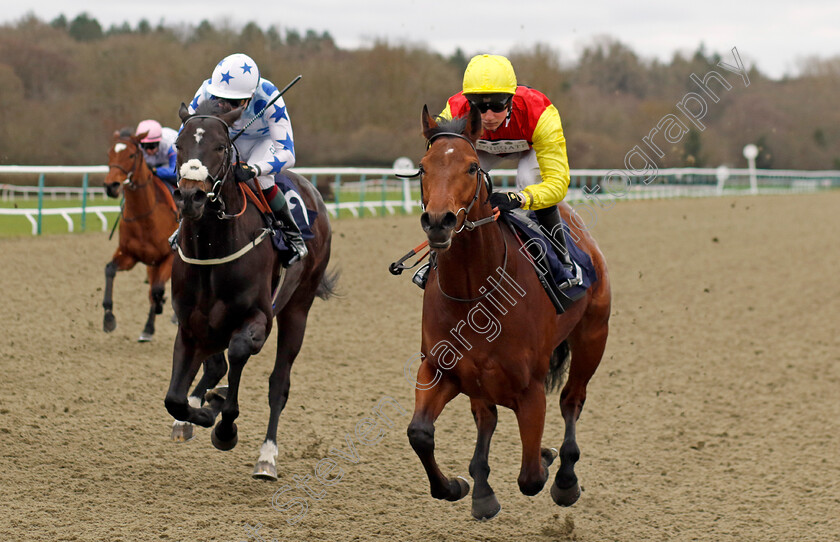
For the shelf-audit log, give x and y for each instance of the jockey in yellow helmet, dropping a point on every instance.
(520, 124)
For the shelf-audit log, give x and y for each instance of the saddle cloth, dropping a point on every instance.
(303, 217)
(529, 229)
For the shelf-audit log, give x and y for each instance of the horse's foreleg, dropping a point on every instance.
(428, 404)
(244, 343)
(185, 363)
(484, 502)
(585, 359)
(291, 326)
(215, 368)
(530, 414)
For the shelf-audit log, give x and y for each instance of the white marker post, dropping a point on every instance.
(750, 153)
(722, 174)
(404, 165)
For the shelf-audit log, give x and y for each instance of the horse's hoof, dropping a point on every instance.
(221, 444)
(463, 489)
(565, 497)
(182, 431)
(264, 470)
(144, 337)
(109, 324)
(219, 393)
(486, 507)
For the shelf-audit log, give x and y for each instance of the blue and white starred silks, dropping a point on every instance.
(268, 143)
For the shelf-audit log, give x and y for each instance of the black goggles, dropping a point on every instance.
(150, 146)
(233, 102)
(495, 107)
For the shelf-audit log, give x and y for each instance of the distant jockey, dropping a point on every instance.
(158, 146)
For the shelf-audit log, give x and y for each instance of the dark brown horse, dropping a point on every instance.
(147, 219)
(226, 285)
(489, 329)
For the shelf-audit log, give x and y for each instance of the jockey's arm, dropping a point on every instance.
(280, 132)
(549, 143)
(167, 173)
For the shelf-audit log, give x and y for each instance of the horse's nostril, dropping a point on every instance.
(424, 221)
(449, 220)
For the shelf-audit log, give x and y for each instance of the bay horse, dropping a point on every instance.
(481, 279)
(148, 217)
(225, 285)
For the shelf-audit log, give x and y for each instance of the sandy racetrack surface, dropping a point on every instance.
(715, 415)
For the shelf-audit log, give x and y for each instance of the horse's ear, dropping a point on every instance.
(116, 134)
(139, 137)
(472, 130)
(183, 112)
(232, 116)
(429, 123)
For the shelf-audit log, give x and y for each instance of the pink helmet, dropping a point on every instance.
(152, 127)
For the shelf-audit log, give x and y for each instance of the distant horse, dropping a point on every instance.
(506, 361)
(225, 281)
(148, 217)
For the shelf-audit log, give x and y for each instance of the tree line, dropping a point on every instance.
(67, 85)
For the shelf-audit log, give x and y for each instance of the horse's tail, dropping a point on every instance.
(557, 366)
(327, 287)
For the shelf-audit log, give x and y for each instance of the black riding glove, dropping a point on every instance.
(242, 172)
(505, 201)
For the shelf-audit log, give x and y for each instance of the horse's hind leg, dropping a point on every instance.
(158, 275)
(120, 262)
(245, 342)
(428, 404)
(484, 502)
(587, 344)
(215, 368)
(291, 326)
(530, 413)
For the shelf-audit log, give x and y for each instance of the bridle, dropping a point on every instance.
(467, 224)
(129, 181)
(216, 181)
(225, 168)
(480, 173)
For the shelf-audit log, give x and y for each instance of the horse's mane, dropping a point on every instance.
(213, 107)
(126, 132)
(456, 125)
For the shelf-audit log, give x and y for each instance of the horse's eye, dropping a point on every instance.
(220, 148)
(473, 168)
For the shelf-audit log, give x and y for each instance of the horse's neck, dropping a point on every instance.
(212, 236)
(472, 259)
(143, 197)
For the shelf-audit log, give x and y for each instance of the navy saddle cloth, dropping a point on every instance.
(303, 217)
(528, 227)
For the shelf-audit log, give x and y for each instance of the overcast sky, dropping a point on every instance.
(772, 34)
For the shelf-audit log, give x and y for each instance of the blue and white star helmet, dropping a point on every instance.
(236, 77)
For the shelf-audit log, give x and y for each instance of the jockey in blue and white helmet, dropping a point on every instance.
(267, 147)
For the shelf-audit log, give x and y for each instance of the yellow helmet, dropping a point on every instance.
(489, 74)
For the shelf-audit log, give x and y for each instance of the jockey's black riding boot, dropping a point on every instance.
(549, 219)
(283, 214)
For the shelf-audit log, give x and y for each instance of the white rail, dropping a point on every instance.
(357, 190)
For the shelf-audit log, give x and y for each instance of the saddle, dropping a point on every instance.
(562, 286)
